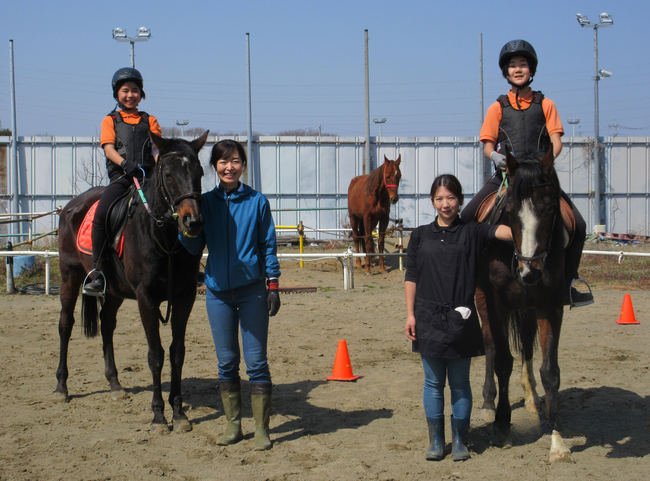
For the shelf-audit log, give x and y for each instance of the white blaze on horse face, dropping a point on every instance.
(185, 161)
(529, 224)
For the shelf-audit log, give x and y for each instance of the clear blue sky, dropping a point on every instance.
(307, 63)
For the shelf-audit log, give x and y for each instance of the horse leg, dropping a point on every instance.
(527, 333)
(503, 362)
(108, 316)
(156, 356)
(70, 283)
(550, 323)
(356, 236)
(383, 225)
(488, 409)
(369, 241)
(180, 314)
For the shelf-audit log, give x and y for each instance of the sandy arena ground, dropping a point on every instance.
(370, 429)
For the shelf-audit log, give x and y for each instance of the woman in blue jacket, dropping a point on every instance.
(240, 235)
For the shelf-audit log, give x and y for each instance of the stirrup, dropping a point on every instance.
(89, 279)
(583, 303)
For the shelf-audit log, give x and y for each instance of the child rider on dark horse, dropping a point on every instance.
(526, 122)
(128, 148)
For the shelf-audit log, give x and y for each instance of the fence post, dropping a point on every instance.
(11, 288)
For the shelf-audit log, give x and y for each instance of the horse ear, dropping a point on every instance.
(511, 162)
(399, 159)
(164, 145)
(197, 144)
(386, 159)
(549, 159)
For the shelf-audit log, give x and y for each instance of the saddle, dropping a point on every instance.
(491, 213)
(118, 213)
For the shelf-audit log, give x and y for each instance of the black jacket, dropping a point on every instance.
(442, 261)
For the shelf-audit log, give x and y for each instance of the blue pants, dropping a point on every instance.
(436, 370)
(227, 311)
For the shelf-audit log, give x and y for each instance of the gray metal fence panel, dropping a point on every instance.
(314, 173)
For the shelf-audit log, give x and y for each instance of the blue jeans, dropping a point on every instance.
(436, 370)
(227, 311)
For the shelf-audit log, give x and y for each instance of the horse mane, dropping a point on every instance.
(528, 176)
(376, 178)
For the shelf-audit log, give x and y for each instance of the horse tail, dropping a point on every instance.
(89, 315)
(522, 333)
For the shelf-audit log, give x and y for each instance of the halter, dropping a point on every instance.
(386, 183)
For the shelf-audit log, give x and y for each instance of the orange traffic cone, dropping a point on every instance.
(342, 368)
(627, 312)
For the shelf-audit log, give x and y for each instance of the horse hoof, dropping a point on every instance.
(182, 426)
(60, 397)
(159, 429)
(559, 451)
(119, 395)
(486, 416)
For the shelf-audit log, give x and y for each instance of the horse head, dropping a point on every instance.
(178, 177)
(533, 205)
(392, 176)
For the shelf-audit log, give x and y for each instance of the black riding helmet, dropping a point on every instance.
(517, 47)
(127, 74)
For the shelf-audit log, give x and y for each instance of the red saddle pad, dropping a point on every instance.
(85, 237)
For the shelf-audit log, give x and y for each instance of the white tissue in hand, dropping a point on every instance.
(464, 312)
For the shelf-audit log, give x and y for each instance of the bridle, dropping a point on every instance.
(172, 202)
(518, 256)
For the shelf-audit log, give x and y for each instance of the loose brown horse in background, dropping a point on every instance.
(369, 200)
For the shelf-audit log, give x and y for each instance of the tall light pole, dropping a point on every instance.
(181, 125)
(379, 121)
(144, 34)
(606, 21)
(574, 122)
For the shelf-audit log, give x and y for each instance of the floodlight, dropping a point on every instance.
(144, 32)
(582, 19)
(605, 73)
(606, 18)
(119, 33)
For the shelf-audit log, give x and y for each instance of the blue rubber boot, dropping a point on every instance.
(436, 439)
(459, 429)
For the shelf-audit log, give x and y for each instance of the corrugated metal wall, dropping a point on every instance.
(313, 173)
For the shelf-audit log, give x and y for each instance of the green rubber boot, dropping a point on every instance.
(231, 398)
(261, 404)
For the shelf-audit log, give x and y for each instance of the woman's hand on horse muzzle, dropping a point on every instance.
(273, 297)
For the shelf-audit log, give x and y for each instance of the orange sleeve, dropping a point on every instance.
(490, 129)
(553, 122)
(107, 135)
(154, 126)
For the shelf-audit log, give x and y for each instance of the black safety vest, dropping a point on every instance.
(524, 131)
(133, 143)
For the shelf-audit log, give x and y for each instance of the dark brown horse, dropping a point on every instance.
(520, 292)
(369, 200)
(156, 268)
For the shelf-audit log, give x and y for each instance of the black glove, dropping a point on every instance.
(273, 297)
(129, 168)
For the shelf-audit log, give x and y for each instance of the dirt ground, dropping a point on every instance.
(373, 428)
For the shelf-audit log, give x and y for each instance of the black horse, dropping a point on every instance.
(156, 268)
(519, 293)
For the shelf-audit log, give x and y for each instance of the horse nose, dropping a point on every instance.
(528, 275)
(193, 223)
(394, 199)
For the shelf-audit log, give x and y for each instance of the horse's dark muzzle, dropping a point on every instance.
(529, 276)
(192, 225)
(393, 200)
